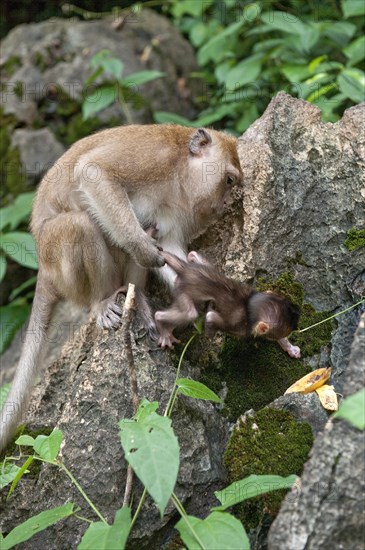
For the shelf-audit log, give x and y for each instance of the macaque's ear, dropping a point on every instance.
(261, 328)
(212, 323)
(199, 141)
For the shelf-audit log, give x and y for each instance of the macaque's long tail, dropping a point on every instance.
(17, 401)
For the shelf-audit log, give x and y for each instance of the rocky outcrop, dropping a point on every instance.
(328, 512)
(303, 192)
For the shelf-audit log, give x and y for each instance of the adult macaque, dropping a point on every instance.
(89, 218)
(231, 306)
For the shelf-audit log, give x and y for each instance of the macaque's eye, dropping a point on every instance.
(230, 180)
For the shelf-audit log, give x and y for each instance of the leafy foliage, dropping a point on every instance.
(352, 409)
(249, 52)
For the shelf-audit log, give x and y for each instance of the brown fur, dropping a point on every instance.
(89, 218)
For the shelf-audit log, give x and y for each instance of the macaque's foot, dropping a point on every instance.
(168, 340)
(108, 312)
(292, 351)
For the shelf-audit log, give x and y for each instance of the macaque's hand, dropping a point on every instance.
(292, 351)
(148, 254)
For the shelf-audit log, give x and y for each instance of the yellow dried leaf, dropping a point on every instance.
(328, 397)
(311, 381)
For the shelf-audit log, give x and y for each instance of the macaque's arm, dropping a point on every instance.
(292, 351)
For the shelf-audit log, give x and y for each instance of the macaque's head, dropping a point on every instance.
(214, 169)
(272, 316)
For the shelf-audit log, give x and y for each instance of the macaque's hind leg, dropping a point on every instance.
(108, 312)
(181, 313)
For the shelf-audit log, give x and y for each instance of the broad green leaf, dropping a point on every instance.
(12, 318)
(26, 440)
(251, 113)
(250, 487)
(137, 79)
(20, 247)
(3, 266)
(4, 390)
(352, 84)
(218, 530)
(163, 117)
(102, 97)
(283, 21)
(34, 525)
(48, 446)
(341, 32)
(189, 7)
(19, 289)
(99, 71)
(113, 66)
(199, 33)
(216, 114)
(16, 212)
(23, 470)
(213, 48)
(321, 91)
(108, 537)
(8, 472)
(244, 72)
(352, 409)
(352, 8)
(355, 51)
(152, 449)
(191, 388)
(145, 409)
(295, 73)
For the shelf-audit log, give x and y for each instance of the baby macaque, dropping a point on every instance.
(230, 306)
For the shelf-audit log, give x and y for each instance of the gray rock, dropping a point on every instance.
(39, 150)
(305, 408)
(328, 511)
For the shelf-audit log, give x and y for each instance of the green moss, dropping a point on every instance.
(285, 284)
(39, 61)
(355, 239)
(15, 179)
(11, 65)
(255, 371)
(77, 128)
(270, 442)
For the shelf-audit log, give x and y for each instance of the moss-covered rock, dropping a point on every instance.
(355, 239)
(270, 442)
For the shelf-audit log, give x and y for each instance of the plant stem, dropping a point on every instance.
(180, 508)
(78, 486)
(329, 318)
(174, 392)
(140, 504)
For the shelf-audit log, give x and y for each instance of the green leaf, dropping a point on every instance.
(191, 388)
(108, 537)
(351, 8)
(355, 51)
(99, 71)
(295, 73)
(4, 390)
(48, 446)
(102, 97)
(8, 473)
(113, 66)
(283, 21)
(251, 487)
(3, 266)
(152, 449)
(20, 247)
(16, 212)
(352, 84)
(12, 318)
(26, 440)
(244, 72)
(163, 117)
(352, 409)
(218, 530)
(35, 525)
(199, 33)
(99, 57)
(207, 118)
(251, 113)
(214, 47)
(23, 470)
(19, 289)
(137, 79)
(145, 409)
(341, 32)
(313, 97)
(189, 7)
